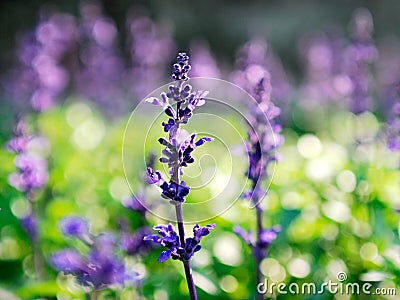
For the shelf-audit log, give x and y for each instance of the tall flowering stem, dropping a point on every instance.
(178, 154)
(263, 139)
(31, 175)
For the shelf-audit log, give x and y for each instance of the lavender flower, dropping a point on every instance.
(169, 239)
(100, 77)
(74, 227)
(259, 247)
(30, 176)
(178, 104)
(255, 56)
(40, 76)
(134, 243)
(263, 140)
(100, 268)
(30, 226)
(203, 61)
(324, 80)
(150, 47)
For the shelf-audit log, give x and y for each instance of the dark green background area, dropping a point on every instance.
(225, 24)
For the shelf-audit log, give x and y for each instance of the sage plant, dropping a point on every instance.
(178, 104)
(100, 268)
(263, 139)
(31, 176)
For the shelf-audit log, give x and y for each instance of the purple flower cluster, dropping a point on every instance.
(169, 239)
(150, 47)
(40, 76)
(253, 58)
(177, 152)
(31, 173)
(261, 245)
(100, 267)
(263, 140)
(394, 128)
(101, 67)
(324, 80)
(357, 60)
(202, 60)
(134, 243)
(263, 137)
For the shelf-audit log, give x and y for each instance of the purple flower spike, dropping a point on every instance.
(177, 153)
(246, 236)
(30, 226)
(175, 192)
(74, 226)
(182, 67)
(98, 269)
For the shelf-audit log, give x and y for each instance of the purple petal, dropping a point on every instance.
(203, 140)
(74, 226)
(164, 255)
(153, 101)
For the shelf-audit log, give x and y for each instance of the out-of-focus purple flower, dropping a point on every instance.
(134, 243)
(19, 142)
(30, 226)
(100, 76)
(264, 135)
(202, 61)
(168, 238)
(31, 175)
(394, 128)
(40, 75)
(254, 57)
(245, 235)
(324, 81)
(98, 269)
(74, 226)
(358, 58)
(150, 48)
(135, 203)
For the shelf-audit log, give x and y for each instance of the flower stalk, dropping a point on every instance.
(177, 154)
